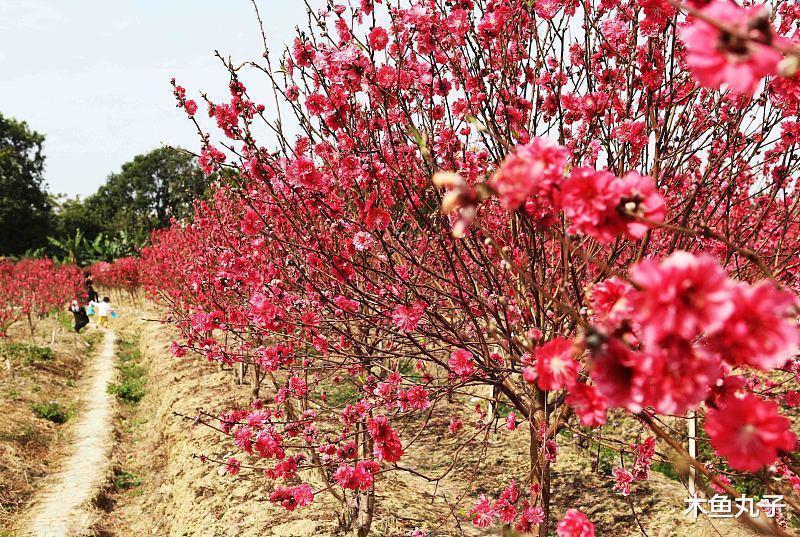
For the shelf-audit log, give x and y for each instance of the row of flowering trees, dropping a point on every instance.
(563, 207)
(122, 274)
(33, 288)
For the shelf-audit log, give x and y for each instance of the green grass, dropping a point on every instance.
(341, 394)
(92, 338)
(124, 480)
(27, 353)
(66, 320)
(52, 411)
(132, 376)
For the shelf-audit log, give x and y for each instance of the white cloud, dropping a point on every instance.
(27, 16)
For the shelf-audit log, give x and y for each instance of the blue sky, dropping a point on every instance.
(93, 75)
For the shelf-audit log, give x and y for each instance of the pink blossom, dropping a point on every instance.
(589, 201)
(210, 157)
(483, 513)
(684, 294)
(638, 198)
(644, 458)
(656, 15)
(555, 365)
(718, 57)
(461, 363)
(363, 241)
(511, 421)
(414, 398)
(232, 466)
(264, 313)
(530, 169)
(760, 332)
(290, 498)
(505, 506)
(748, 432)
(406, 318)
(679, 375)
(251, 223)
(622, 480)
(604, 206)
(177, 350)
(359, 477)
(610, 303)
(242, 438)
(529, 519)
(455, 425)
(588, 404)
(529, 374)
(574, 524)
(268, 445)
(378, 38)
(620, 374)
(387, 442)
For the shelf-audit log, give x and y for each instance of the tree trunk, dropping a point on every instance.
(540, 467)
(364, 500)
(256, 385)
(544, 527)
(364, 508)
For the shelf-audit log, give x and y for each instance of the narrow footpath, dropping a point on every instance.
(57, 511)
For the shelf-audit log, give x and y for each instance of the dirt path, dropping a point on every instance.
(57, 510)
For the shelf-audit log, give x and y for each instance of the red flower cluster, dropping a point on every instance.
(121, 274)
(33, 288)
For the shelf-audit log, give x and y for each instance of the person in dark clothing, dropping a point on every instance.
(91, 294)
(79, 314)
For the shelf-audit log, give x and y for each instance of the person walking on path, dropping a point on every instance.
(79, 315)
(88, 284)
(103, 312)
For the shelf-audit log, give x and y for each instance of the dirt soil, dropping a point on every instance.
(31, 445)
(177, 495)
(58, 509)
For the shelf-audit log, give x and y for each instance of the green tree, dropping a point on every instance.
(25, 208)
(147, 192)
(73, 215)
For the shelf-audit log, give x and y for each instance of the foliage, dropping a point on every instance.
(52, 411)
(78, 249)
(130, 388)
(73, 216)
(25, 210)
(29, 354)
(124, 480)
(146, 193)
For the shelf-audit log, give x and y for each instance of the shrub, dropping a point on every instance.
(126, 480)
(129, 390)
(28, 353)
(132, 376)
(52, 411)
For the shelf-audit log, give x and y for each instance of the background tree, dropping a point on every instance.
(73, 215)
(25, 210)
(146, 193)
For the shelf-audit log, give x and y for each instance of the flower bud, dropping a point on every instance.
(450, 201)
(447, 179)
(789, 66)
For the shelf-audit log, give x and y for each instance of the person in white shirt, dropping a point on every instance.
(103, 312)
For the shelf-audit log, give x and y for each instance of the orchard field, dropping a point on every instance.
(439, 267)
